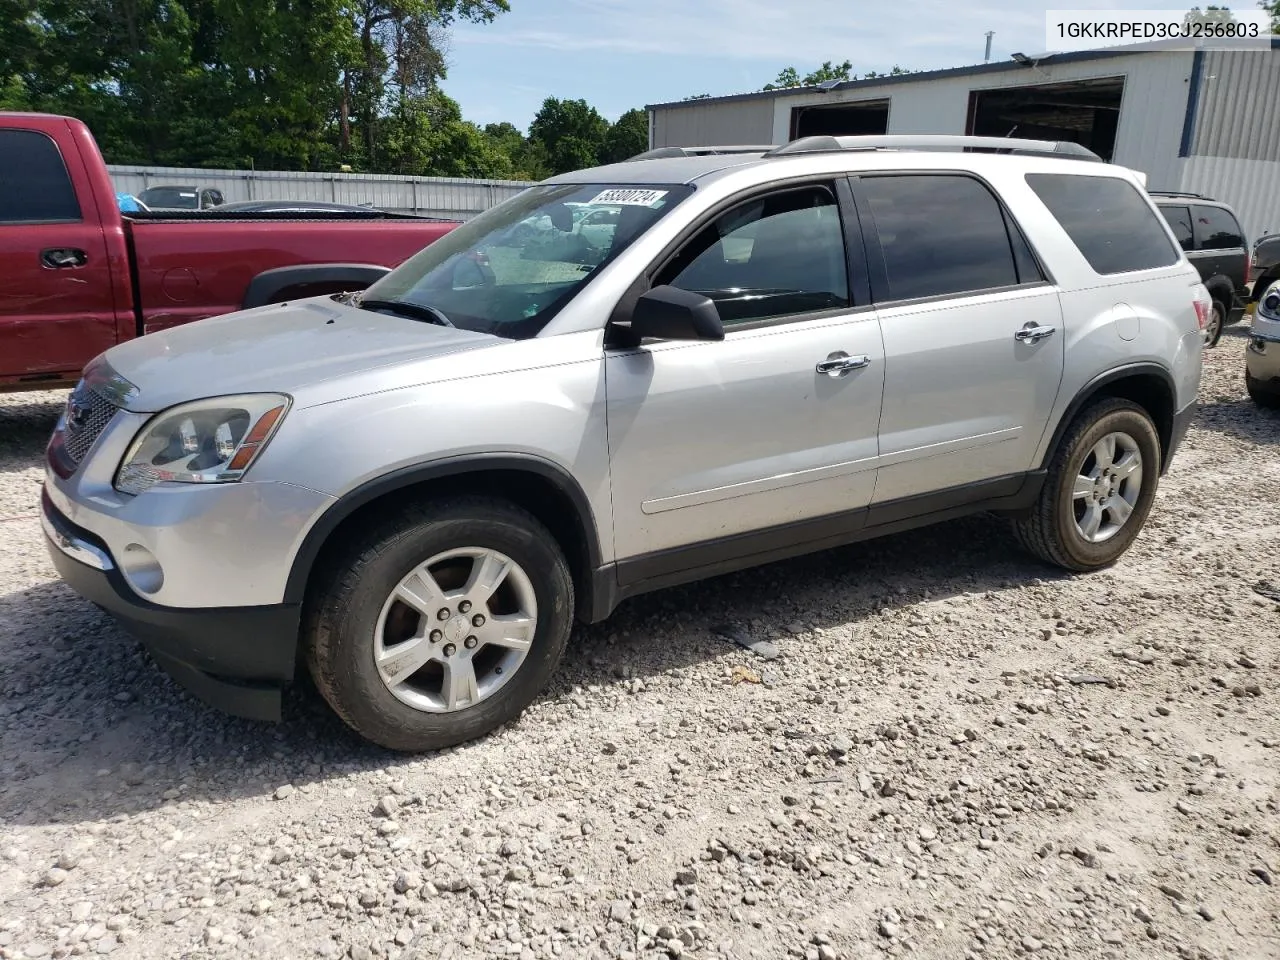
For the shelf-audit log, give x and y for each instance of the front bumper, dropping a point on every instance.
(234, 658)
(1262, 356)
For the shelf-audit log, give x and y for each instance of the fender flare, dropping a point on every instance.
(266, 287)
(313, 542)
(1095, 386)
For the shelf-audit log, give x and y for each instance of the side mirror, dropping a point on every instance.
(669, 313)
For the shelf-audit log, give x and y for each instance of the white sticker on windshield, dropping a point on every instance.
(629, 198)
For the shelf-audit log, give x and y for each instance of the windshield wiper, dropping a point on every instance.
(404, 308)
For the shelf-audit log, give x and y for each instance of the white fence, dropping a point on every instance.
(428, 196)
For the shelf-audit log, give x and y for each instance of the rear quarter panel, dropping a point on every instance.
(1116, 321)
(189, 270)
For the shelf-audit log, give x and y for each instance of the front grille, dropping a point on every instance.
(88, 413)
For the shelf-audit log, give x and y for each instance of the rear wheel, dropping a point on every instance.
(1213, 327)
(1099, 489)
(439, 624)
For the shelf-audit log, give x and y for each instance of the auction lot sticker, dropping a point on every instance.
(629, 198)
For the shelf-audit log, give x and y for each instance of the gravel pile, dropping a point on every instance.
(957, 753)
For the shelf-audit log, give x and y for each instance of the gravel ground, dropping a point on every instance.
(958, 753)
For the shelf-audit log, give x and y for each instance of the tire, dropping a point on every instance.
(1052, 530)
(351, 614)
(1217, 322)
(1267, 399)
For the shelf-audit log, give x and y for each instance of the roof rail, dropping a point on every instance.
(659, 152)
(1177, 193)
(1058, 148)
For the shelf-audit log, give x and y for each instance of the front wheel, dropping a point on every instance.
(1099, 488)
(440, 623)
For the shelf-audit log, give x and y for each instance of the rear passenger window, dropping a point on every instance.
(942, 235)
(775, 256)
(1180, 220)
(1218, 229)
(34, 185)
(1109, 221)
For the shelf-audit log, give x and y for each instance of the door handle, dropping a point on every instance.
(840, 363)
(59, 258)
(1033, 333)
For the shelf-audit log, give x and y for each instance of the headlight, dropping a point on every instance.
(208, 441)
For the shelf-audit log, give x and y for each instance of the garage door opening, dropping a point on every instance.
(1084, 111)
(840, 119)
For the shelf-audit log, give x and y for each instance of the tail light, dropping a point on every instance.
(1203, 304)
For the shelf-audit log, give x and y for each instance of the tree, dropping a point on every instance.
(895, 72)
(1272, 8)
(827, 72)
(789, 77)
(627, 137)
(572, 133)
(698, 96)
(1210, 14)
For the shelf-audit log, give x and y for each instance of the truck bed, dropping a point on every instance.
(193, 266)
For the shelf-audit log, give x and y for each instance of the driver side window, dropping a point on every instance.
(773, 256)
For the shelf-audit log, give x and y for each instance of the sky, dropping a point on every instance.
(619, 54)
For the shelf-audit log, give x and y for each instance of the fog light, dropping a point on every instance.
(141, 568)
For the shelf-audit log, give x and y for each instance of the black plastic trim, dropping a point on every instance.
(667, 568)
(314, 541)
(1181, 422)
(1091, 389)
(267, 286)
(234, 658)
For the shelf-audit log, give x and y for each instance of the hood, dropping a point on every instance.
(282, 349)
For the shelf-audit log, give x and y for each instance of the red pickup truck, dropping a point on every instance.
(77, 276)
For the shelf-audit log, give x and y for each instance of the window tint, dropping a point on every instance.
(34, 185)
(774, 256)
(1108, 220)
(1218, 229)
(1180, 220)
(940, 235)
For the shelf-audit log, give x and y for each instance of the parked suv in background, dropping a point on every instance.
(1209, 232)
(1262, 356)
(1265, 264)
(419, 486)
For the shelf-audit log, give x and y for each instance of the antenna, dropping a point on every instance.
(986, 57)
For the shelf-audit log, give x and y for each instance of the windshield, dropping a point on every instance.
(509, 270)
(183, 198)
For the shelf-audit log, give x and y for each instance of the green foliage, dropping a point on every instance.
(627, 137)
(1272, 8)
(790, 77)
(1210, 14)
(572, 133)
(284, 84)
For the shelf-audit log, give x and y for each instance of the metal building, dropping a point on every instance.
(1193, 120)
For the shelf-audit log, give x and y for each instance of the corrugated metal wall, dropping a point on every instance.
(1155, 98)
(706, 123)
(1239, 114)
(1148, 138)
(1252, 187)
(428, 196)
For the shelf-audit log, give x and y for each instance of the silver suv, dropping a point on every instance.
(416, 489)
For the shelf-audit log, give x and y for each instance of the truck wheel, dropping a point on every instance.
(1099, 489)
(439, 623)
